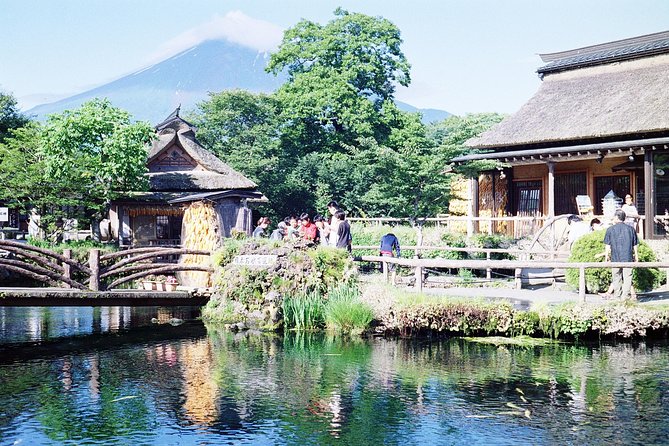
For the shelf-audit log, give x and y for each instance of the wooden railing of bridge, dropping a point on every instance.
(102, 272)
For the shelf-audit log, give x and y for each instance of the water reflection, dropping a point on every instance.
(169, 383)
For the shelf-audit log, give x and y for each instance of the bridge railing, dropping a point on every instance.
(101, 272)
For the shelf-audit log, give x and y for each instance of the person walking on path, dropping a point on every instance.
(621, 244)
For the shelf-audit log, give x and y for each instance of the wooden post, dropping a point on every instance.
(648, 194)
(67, 269)
(518, 279)
(551, 189)
(94, 265)
(581, 283)
(488, 271)
(419, 278)
(472, 224)
(385, 271)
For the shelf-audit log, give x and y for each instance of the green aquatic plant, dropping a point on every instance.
(345, 312)
(303, 311)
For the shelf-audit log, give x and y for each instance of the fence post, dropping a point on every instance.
(385, 271)
(67, 269)
(419, 278)
(518, 279)
(94, 265)
(488, 270)
(581, 283)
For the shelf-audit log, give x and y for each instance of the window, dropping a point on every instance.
(567, 187)
(527, 197)
(619, 184)
(162, 227)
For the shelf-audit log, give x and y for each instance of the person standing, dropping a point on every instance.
(309, 230)
(323, 229)
(621, 245)
(390, 246)
(343, 231)
(631, 212)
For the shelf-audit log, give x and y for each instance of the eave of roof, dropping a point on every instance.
(616, 51)
(568, 153)
(219, 195)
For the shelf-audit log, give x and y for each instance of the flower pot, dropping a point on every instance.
(170, 286)
(148, 285)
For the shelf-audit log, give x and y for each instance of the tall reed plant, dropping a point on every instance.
(345, 312)
(303, 311)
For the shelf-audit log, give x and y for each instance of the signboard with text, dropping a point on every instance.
(255, 261)
(4, 214)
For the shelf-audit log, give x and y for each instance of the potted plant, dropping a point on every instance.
(149, 283)
(171, 283)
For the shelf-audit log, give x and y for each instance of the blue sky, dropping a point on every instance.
(466, 56)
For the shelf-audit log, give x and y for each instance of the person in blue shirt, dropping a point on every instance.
(390, 246)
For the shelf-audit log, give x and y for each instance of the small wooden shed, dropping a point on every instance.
(182, 172)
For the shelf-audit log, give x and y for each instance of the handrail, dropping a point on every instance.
(419, 264)
(460, 249)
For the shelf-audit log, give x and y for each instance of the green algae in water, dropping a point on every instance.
(522, 341)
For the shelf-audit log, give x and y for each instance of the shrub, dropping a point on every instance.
(586, 249)
(345, 312)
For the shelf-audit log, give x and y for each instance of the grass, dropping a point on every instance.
(345, 312)
(303, 311)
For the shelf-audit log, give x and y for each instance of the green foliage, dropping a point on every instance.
(345, 312)
(227, 252)
(331, 265)
(10, 116)
(589, 249)
(75, 164)
(304, 311)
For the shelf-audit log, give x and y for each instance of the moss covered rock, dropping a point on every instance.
(253, 295)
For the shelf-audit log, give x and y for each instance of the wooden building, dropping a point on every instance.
(182, 172)
(599, 122)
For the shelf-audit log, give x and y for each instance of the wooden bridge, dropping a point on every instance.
(97, 282)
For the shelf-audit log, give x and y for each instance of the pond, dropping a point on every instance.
(114, 376)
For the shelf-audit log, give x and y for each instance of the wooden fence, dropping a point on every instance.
(419, 266)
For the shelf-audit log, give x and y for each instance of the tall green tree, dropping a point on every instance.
(75, 164)
(341, 76)
(10, 116)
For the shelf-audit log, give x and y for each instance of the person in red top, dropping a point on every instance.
(309, 229)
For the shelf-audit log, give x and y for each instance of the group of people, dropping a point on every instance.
(334, 231)
(621, 244)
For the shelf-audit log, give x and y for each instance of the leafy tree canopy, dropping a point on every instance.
(340, 75)
(10, 116)
(76, 163)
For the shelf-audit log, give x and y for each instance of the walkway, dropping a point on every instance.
(56, 297)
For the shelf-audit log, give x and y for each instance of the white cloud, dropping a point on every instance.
(234, 26)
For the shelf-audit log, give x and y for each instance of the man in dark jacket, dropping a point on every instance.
(621, 245)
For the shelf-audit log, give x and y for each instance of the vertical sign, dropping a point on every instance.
(4, 214)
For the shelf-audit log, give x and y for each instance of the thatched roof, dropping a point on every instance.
(590, 99)
(210, 174)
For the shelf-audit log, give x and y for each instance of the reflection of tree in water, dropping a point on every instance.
(316, 389)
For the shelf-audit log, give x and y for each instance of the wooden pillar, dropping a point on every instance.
(67, 269)
(419, 278)
(581, 283)
(94, 265)
(385, 271)
(551, 189)
(649, 194)
(472, 225)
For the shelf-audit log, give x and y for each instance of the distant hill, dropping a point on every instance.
(185, 79)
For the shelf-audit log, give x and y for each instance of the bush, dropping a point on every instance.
(587, 248)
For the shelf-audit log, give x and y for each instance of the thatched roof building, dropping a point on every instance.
(601, 112)
(182, 171)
